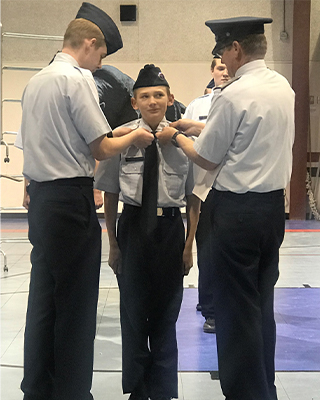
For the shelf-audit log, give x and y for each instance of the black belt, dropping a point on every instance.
(79, 181)
(262, 195)
(161, 211)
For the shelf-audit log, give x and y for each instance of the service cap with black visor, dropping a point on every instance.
(230, 29)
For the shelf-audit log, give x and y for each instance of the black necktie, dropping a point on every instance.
(150, 189)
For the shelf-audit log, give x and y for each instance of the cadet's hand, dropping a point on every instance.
(98, 200)
(121, 131)
(165, 135)
(188, 126)
(143, 138)
(26, 201)
(187, 260)
(115, 259)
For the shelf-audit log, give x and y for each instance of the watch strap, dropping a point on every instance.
(174, 138)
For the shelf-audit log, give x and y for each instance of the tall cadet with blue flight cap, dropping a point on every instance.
(249, 134)
(63, 130)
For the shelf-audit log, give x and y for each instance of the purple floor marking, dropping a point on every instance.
(297, 313)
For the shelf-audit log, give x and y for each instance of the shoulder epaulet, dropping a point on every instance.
(227, 83)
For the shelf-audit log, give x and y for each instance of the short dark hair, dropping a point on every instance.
(214, 61)
(213, 64)
(255, 45)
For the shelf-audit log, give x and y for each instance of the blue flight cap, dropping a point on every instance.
(211, 84)
(109, 29)
(230, 29)
(150, 75)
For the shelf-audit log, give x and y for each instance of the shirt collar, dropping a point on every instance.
(66, 58)
(250, 66)
(163, 123)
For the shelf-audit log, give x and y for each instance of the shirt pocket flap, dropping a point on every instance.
(133, 166)
(176, 168)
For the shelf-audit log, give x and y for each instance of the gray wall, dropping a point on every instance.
(165, 30)
(169, 33)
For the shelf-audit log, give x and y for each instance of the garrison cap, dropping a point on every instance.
(230, 29)
(211, 84)
(109, 29)
(150, 75)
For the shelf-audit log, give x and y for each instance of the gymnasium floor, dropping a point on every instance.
(297, 311)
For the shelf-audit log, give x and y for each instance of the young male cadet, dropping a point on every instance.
(63, 130)
(249, 133)
(198, 110)
(149, 253)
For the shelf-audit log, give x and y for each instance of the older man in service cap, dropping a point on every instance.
(63, 130)
(247, 143)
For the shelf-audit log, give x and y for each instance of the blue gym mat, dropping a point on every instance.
(297, 313)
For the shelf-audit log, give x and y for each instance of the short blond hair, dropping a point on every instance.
(80, 29)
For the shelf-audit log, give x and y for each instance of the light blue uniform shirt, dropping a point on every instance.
(199, 108)
(60, 118)
(250, 131)
(124, 173)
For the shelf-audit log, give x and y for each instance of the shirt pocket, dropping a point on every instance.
(175, 176)
(131, 176)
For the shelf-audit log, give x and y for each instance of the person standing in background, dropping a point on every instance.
(198, 110)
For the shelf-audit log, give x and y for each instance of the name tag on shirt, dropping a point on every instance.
(134, 159)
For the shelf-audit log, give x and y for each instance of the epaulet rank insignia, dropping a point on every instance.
(227, 83)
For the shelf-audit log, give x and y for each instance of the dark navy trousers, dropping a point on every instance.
(247, 232)
(151, 288)
(204, 256)
(61, 317)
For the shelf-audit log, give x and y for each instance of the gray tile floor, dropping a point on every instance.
(299, 265)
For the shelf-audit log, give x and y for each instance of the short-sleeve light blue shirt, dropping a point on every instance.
(250, 131)
(60, 118)
(199, 108)
(124, 173)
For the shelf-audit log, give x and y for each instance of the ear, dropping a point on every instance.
(238, 50)
(134, 103)
(170, 99)
(88, 44)
(93, 42)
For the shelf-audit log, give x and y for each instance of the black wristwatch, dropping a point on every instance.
(174, 138)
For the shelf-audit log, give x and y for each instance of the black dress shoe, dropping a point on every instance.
(139, 393)
(134, 396)
(161, 398)
(209, 326)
